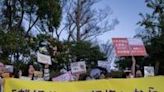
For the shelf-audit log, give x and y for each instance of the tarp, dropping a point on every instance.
(149, 84)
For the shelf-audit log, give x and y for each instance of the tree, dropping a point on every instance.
(86, 51)
(153, 35)
(154, 24)
(84, 22)
(19, 22)
(20, 13)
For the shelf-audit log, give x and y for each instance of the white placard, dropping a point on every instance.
(45, 59)
(148, 71)
(64, 77)
(78, 67)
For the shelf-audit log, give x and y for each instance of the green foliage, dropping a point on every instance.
(86, 51)
(16, 42)
(124, 63)
(154, 37)
(19, 45)
(155, 24)
(49, 11)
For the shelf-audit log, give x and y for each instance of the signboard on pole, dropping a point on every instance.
(129, 47)
(148, 71)
(45, 59)
(78, 67)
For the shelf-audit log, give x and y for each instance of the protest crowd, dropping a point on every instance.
(44, 74)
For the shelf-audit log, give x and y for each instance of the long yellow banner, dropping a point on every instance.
(151, 84)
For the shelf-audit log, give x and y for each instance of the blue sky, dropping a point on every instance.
(127, 12)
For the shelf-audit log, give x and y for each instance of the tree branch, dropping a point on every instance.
(29, 29)
(22, 14)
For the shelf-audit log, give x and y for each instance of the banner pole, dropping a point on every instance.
(133, 65)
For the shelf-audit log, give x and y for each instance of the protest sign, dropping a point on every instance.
(129, 47)
(45, 59)
(148, 71)
(78, 67)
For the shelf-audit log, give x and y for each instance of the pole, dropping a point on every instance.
(133, 65)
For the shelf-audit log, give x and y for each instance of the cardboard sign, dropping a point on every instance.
(78, 67)
(64, 77)
(129, 47)
(45, 59)
(148, 71)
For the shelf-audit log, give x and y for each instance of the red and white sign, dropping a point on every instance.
(137, 47)
(129, 47)
(121, 46)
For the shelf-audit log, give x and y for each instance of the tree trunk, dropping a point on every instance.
(78, 21)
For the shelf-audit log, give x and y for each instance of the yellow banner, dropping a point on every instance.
(151, 84)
